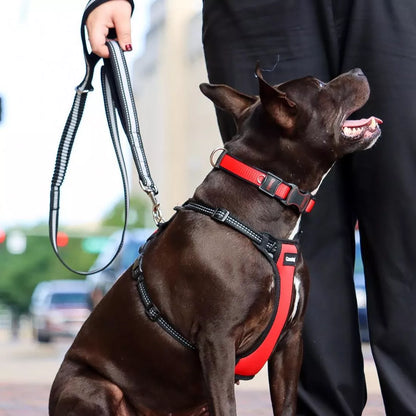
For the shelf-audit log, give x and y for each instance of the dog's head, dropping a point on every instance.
(301, 124)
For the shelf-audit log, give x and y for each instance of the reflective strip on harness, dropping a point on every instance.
(250, 365)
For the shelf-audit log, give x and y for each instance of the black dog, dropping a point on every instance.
(224, 277)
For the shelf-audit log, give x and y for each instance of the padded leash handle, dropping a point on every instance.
(118, 96)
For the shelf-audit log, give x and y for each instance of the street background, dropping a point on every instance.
(28, 368)
(42, 66)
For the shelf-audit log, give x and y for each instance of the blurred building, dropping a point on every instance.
(177, 121)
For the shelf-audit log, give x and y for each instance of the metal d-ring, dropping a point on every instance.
(213, 153)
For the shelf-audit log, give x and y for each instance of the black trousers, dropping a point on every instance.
(324, 38)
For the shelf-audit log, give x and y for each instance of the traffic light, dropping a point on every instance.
(62, 239)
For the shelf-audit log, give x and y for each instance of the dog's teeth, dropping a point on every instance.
(352, 132)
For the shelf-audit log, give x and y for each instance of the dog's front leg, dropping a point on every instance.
(284, 368)
(217, 356)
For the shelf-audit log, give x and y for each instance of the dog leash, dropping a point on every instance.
(118, 98)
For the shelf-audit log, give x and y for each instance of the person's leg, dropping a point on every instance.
(332, 381)
(285, 37)
(302, 37)
(382, 41)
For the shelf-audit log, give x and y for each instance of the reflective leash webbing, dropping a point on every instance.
(127, 112)
(118, 97)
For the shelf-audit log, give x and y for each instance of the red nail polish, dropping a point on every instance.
(129, 47)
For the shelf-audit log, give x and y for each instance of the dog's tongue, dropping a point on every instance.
(372, 121)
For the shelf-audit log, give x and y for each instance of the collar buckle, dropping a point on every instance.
(299, 199)
(269, 184)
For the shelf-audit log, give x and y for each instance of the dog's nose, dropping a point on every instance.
(358, 72)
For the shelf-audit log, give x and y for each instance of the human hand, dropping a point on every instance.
(111, 14)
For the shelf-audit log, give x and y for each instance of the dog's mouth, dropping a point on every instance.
(363, 129)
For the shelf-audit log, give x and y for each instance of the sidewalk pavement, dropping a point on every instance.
(27, 370)
(32, 399)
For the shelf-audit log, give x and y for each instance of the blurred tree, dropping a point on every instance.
(20, 273)
(140, 214)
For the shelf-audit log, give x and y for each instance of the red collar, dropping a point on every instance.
(287, 193)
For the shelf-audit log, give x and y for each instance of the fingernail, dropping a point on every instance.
(129, 47)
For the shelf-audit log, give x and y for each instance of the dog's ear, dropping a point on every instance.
(227, 98)
(276, 102)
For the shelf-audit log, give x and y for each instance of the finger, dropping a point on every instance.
(113, 14)
(98, 38)
(123, 31)
(123, 27)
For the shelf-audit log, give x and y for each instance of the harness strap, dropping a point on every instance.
(287, 193)
(282, 256)
(253, 360)
(270, 244)
(151, 309)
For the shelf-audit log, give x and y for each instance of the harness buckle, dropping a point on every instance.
(220, 215)
(152, 312)
(136, 273)
(298, 199)
(270, 245)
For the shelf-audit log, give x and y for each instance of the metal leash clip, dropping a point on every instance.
(156, 212)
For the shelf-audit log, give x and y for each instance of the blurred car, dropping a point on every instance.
(100, 283)
(59, 308)
(360, 291)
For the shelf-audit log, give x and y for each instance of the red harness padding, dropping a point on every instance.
(249, 365)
